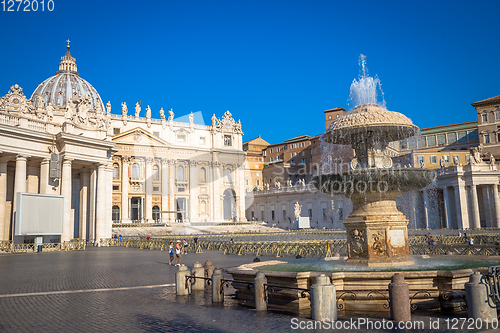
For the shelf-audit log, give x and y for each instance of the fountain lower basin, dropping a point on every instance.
(365, 290)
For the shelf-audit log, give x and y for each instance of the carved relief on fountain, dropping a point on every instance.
(356, 243)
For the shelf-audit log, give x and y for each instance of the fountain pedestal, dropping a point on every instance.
(377, 234)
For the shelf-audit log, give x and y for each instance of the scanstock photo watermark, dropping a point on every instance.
(452, 324)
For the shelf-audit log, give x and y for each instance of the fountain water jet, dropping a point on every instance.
(377, 232)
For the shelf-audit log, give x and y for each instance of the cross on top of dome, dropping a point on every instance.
(68, 63)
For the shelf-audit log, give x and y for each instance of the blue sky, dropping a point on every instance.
(276, 65)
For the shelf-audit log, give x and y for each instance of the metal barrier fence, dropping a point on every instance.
(73, 245)
(305, 248)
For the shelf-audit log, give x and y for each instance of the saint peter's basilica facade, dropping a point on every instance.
(110, 168)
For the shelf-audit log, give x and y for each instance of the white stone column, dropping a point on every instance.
(44, 176)
(447, 211)
(496, 203)
(32, 176)
(164, 190)
(487, 205)
(171, 189)
(149, 190)
(461, 207)
(92, 202)
(109, 200)
(100, 225)
(125, 183)
(193, 202)
(476, 221)
(19, 185)
(4, 225)
(211, 182)
(240, 178)
(84, 203)
(426, 208)
(66, 192)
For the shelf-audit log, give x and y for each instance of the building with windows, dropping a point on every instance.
(114, 168)
(255, 162)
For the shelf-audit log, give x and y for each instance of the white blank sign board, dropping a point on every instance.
(304, 223)
(39, 214)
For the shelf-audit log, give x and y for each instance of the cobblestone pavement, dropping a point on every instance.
(127, 290)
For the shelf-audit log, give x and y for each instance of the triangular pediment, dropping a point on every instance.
(139, 136)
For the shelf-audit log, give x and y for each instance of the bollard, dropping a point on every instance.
(209, 270)
(260, 291)
(479, 303)
(399, 298)
(323, 299)
(217, 288)
(180, 281)
(198, 271)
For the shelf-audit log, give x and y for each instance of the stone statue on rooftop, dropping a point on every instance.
(170, 115)
(137, 109)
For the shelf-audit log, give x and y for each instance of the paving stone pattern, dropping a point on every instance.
(155, 309)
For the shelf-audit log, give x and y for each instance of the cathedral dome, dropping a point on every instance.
(67, 85)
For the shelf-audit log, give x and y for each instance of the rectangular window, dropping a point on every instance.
(456, 159)
(446, 158)
(486, 138)
(246, 182)
(181, 189)
(310, 159)
(422, 142)
(310, 211)
(473, 136)
(156, 134)
(156, 189)
(203, 142)
(441, 139)
(341, 214)
(324, 214)
(181, 137)
(452, 137)
(314, 150)
(420, 159)
(271, 150)
(302, 144)
(485, 118)
(434, 159)
(258, 182)
(272, 215)
(292, 162)
(303, 161)
(262, 215)
(284, 215)
(462, 136)
(467, 158)
(116, 131)
(303, 153)
(431, 140)
(497, 115)
(116, 187)
(278, 149)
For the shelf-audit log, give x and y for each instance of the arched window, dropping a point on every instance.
(180, 172)
(156, 213)
(115, 170)
(135, 170)
(203, 175)
(155, 172)
(228, 175)
(115, 214)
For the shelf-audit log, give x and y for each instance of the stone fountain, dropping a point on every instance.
(377, 232)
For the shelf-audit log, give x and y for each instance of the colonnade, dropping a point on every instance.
(30, 174)
(465, 206)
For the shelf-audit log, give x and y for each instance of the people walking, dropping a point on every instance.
(185, 246)
(171, 253)
(178, 250)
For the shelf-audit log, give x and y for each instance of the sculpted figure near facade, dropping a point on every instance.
(124, 109)
(137, 109)
(170, 115)
(296, 210)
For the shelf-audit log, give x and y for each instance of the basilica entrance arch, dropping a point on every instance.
(229, 204)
